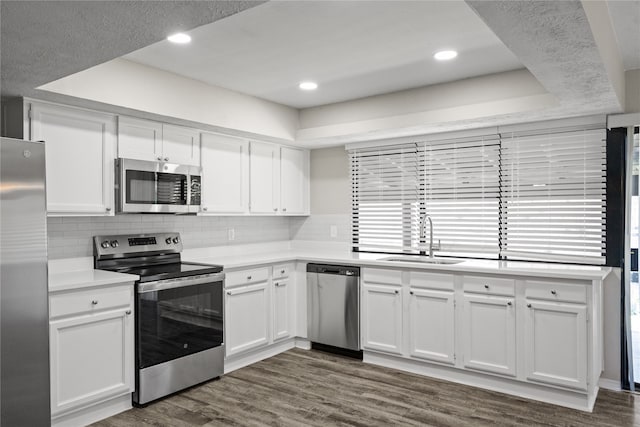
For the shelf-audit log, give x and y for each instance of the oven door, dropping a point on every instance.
(178, 317)
(156, 187)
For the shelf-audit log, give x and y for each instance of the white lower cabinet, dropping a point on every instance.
(283, 309)
(91, 347)
(556, 343)
(381, 319)
(432, 325)
(489, 333)
(246, 318)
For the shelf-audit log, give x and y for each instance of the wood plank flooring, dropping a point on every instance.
(312, 388)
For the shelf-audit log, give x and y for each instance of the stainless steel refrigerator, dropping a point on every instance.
(24, 314)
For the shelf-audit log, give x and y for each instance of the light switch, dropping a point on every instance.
(232, 233)
(333, 231)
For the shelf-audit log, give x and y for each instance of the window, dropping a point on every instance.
(553, 196)
(535, 196)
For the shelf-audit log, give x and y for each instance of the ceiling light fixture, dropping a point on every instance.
(445, 55)
(308, 86)
(179, 38)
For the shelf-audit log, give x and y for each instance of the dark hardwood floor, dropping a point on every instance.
(301, 387)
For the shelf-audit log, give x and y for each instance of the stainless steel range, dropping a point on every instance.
(179, 312)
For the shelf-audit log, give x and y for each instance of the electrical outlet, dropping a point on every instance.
(333, 231)
(231, 233)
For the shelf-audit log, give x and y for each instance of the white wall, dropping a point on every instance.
(632, 78)
(134, 86)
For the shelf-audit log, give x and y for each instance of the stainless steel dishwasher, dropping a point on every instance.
(333, 306)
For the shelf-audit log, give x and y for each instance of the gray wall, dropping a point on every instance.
(71, 237)
(330, 181)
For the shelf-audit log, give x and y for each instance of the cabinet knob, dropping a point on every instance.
(529, 305)
(410, 292)
(275, 209)
(248, 277)
(94, 302)
(166, 159)
(128, 312)
(509, 303)
(284, 209)
(277, 284)
(159, 158)
(108, 209)
(553, 292)
(486, 286)
(204, 208)
(228, 292)
(396, 291)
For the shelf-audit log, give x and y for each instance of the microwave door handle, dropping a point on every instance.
(188, 183)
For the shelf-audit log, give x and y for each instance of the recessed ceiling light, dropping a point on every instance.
(445, 55)
(179, 38)
(308, 85)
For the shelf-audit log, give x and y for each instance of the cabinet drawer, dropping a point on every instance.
(375, 275)
(489, 285)
(282, 270)
(245, 277)
(552, 291)
(432, 280)
(77, 302)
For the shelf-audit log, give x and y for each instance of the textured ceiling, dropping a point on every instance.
(42, 41)
(353, 49)
(625, 16)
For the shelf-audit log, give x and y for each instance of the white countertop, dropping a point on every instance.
(64, 281)
(279, 254)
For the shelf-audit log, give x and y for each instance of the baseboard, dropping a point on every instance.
(609, 384)
(240, 361)
(94, 413)
(303, 343)
(570, 399)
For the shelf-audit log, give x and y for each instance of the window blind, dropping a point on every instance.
(385, 198)
(461, 194)
(553, 197)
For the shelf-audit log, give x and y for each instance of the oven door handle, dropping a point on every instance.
(180, 282)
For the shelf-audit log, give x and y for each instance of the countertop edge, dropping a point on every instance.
(85, 279)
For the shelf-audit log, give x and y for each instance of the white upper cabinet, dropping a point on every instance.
(148, 140)
(225, 174)
(294, 180)
(80, 150)
(139, 139)
(180, 145)
(265, 172)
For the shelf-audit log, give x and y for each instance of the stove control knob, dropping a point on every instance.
(176, 240)
(114, 244)
(167, 240)
(105, 244)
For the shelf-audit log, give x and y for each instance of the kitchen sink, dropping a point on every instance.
(422, 259)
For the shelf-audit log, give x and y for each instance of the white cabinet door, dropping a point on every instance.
(264, 162)
(79, 147)
(489, 333)
(294, 180)
(556, 343)
(180, 145)
(91, 359)
(246, 318)
(382, 318)
(139, 139)
(432, 325)
(283, 309)
(225, 174)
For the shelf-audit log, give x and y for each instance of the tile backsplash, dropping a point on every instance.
(71, 237)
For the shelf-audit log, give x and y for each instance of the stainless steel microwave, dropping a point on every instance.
(156, 187)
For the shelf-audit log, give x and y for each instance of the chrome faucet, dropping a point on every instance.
(422, 224)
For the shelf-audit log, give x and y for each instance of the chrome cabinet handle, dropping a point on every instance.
(281, 271)
(284, 209)
(275, 209)
(509, 303)
(396, 291)
(529, 305)
(553, 293)
(486, 286)
(229, 293)
(128, 312)
(159, 158)
(248, 277)
(166, 159)
(204, 208)
(94, 302)
(108, 209)
(410, 292)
